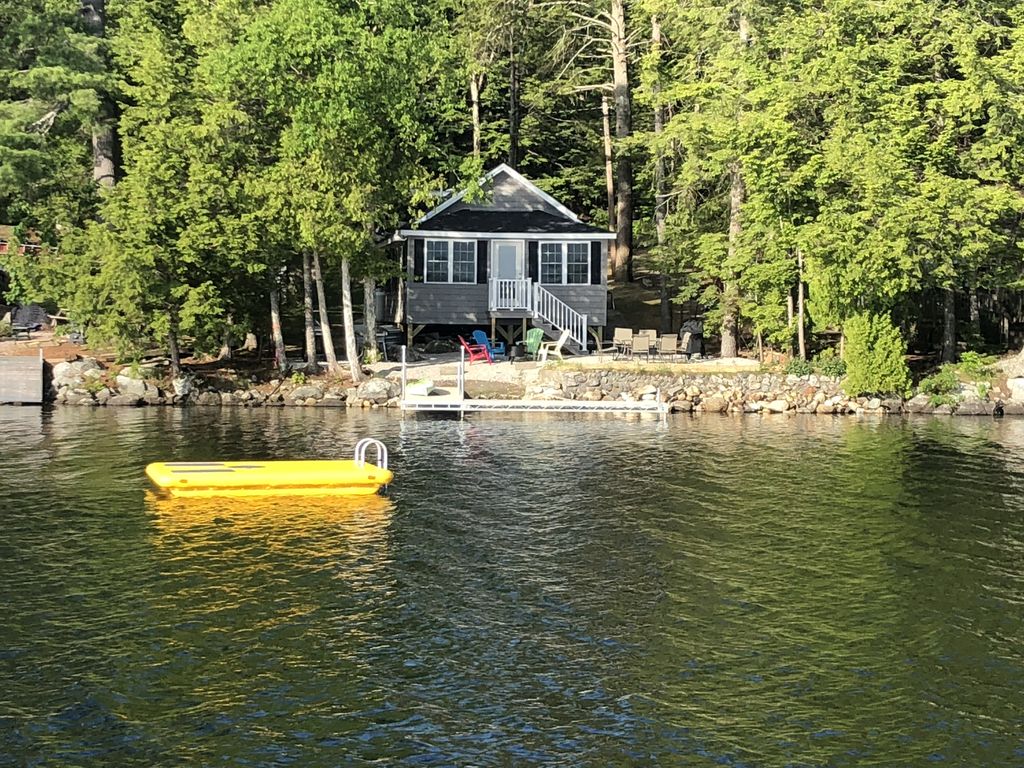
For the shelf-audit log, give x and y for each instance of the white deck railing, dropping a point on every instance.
(513, 295)
(558, 314)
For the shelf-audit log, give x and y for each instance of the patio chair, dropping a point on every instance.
(622, 339)
(668, 346)
(640, 345)
(493, 347)
(475, 351)
(534, 336)
(554, 347)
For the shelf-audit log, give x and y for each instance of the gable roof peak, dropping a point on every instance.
(515, 176)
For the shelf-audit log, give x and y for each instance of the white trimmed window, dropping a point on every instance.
(450, 261)
(565, 263)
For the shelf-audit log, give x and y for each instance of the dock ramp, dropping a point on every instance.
(21, 379)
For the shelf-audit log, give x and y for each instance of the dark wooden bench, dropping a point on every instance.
(20, 331)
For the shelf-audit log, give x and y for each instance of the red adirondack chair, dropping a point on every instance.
(476, 351)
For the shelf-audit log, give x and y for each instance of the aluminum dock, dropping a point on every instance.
(456, 402)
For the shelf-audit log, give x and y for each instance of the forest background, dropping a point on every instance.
(179, 168)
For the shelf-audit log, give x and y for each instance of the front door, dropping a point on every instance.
(508, 260)
(510, 290)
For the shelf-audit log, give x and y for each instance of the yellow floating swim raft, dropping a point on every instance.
(346, 477)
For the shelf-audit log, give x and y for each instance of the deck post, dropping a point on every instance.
(404, 373)
(494, 327)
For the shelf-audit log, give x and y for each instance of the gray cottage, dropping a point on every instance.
(513, 258)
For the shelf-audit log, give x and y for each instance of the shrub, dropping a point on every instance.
(5, 329)
(976, 366)
(829, 363)
(298, 378)
(875, 357)
(943, 382)
(799, 367)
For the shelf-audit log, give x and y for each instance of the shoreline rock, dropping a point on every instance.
(773, 395)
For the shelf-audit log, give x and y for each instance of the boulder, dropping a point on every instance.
(714, 404)
(310, 391)
(974, 408)
(183, 385)
(777, 406)
(1016, 387)
(681, 406)
(377, 390)
(127, 385)
(125, 400)
(918, 404)
(207, 398)
(892, 405)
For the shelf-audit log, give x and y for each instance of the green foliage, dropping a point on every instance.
(5, 329)
(829, 363)
(298, 378)
(799, 367)
(875, 357)
(94, 384)
(976, 367)
(942, 382)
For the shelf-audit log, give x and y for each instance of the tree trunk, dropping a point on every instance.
(730, 289)
(94, 14)
(609, 173)
(475, 86)
(225, 345)
(173, 350)
(370, 316)
(949, 325)
(103, 152)
(623, 127)
(326, 337)
(975, 310)
(660, 198)
(513, 109)
(351, 351)
(280, 360)
(307, 309)
(801, 346)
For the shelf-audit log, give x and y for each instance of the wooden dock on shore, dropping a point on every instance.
(21, 379)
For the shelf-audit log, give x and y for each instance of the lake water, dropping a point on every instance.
(535, 590)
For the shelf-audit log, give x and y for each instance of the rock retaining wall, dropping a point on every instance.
(86, 382)
(748, 393)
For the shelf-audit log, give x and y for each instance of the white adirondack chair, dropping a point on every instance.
(553, 347)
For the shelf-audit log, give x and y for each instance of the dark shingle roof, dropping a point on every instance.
(469, 220)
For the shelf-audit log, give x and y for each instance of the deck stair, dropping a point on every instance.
(545, 310)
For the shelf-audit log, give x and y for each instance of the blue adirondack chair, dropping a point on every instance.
(495, 348)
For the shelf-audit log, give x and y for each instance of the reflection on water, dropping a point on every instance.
(535, 591)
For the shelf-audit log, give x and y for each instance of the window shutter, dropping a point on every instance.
(419, 267)
(595, 262)
(481, 261)
(532, 267)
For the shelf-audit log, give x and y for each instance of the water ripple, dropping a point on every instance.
(535, 591)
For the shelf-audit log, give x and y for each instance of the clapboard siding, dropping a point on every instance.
(505, 194)
(591, 300)
(21, 379)
(447, 303)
